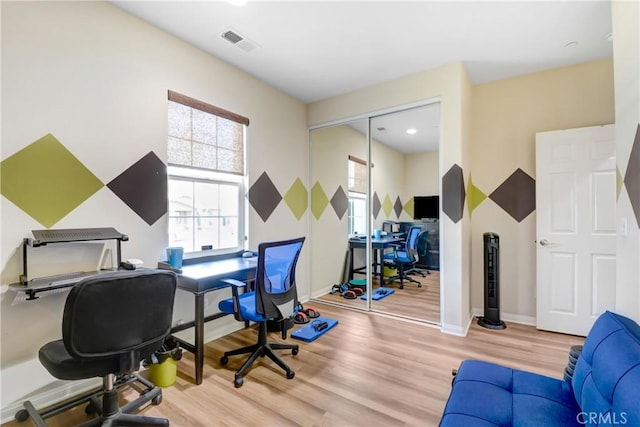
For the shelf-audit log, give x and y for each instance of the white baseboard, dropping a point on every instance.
(321, 292)
(460, 331)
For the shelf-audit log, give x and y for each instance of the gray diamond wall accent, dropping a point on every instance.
(264, 196)
(453, 193)
(340, 202)
(632, 176)
(516, 195)
(397, 207)
(377, 205)
(143, 187)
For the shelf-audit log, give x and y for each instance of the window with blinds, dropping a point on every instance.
(357, 175)
(357, 195)
(205, 152)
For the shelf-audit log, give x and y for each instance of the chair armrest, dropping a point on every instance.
(396, 247)
(235, 285)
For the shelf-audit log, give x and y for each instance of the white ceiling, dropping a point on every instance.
(313, 50)
(391, 129)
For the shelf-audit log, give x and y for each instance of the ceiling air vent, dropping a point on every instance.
(236, 39)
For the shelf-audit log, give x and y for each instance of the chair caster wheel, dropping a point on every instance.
(294, 351)
(419, 285)
(157, 400)
(22, 415)
(224, 360)
(290, 374)
(238, 381)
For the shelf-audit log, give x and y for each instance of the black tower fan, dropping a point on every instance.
(491, 317)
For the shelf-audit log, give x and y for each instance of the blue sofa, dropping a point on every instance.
(604, 388)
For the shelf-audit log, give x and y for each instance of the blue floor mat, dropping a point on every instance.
(379, 294)
(308, 333)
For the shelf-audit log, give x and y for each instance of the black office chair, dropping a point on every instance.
(421, 266)
(110, 323)
(404, 258)
(274, 298)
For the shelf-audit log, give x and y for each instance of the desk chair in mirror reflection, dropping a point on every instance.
(110, 323)
(405, 257)
(273, 298)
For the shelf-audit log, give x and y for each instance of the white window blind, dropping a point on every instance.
(357, 175)
(203, 136)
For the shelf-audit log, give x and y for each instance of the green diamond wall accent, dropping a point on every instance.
(408, 207)
(297, 198)
(619, 182)
(319, 200)
(475, 196)
(46, 181)
(387, 206)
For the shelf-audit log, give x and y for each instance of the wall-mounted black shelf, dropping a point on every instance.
(46, 237)
(42, 237)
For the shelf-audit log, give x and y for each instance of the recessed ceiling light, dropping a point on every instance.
(411, 131)
(571, 45)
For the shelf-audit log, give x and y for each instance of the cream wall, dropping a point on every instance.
(97, 79)
(328, 234)
(451, 86)
(506, 116)
(421, 174)
(626, 51)
(387, 180)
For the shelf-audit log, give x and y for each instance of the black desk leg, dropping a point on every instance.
(199, 337)
(380, 261)
(350, 264)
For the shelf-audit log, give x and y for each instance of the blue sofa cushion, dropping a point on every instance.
(604, 389)
(486, 394)
(606, 379)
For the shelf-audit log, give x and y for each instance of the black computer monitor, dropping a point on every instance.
(426, 207)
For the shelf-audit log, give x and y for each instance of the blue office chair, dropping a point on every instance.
(404, 258)
(274, 298)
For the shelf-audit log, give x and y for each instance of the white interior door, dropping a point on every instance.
(576, 227)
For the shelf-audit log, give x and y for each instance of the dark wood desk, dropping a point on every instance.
(378, 246)
(199, 279)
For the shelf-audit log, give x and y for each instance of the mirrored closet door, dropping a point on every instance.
(405, 208)
(339, 182)
(374, 182)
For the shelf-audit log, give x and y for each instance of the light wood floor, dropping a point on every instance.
(412, 302)
(369, 370)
